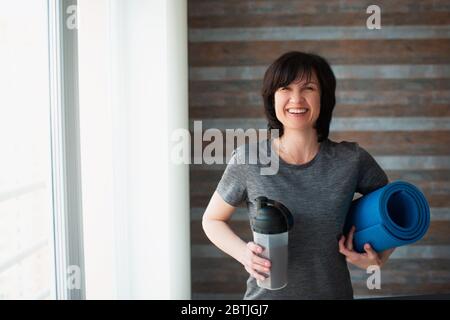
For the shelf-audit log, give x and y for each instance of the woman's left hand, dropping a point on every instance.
(361, 260)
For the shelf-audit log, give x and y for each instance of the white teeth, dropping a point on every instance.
(296, 111)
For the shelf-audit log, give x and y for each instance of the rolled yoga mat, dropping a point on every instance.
(392, 216)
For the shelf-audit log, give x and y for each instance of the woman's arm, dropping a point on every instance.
(215, 225)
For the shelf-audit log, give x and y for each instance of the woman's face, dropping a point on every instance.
(297, 106)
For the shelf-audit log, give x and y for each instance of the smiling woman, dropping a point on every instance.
(316, 181)
(298, 80)
(299, 100)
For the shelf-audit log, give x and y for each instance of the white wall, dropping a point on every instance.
(133, 92)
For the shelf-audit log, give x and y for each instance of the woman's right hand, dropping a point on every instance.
(253, 263)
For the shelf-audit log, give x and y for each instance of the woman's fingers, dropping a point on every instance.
(260, 264)
(260, 268)
(349, 242)
(261, 261)
(371, 254)
(256, 249)
(352, 255)
(362, 260)
(254, 274)
(342, 248)
(257, 266)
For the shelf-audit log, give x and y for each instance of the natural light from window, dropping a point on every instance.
(26, 263)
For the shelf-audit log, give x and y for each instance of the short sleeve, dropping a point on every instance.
(232, 186)
(370, 175)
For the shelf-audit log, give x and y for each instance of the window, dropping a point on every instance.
(41, 252)
(48, 143)
(26, 237)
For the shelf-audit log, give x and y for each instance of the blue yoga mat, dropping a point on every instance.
(392, 216)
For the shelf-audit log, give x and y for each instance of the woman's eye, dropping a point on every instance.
(310, 88)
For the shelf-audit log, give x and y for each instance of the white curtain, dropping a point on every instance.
(133, 93)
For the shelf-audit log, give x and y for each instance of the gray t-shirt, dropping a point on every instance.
(319, 194)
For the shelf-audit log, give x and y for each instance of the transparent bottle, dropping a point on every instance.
(270, 229)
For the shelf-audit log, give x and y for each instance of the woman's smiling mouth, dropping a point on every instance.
(297, 111)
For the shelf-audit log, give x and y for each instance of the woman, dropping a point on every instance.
(316, 180)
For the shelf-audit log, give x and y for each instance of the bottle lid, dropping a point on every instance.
(272, 217)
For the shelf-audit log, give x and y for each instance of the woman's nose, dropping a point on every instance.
(296, 97)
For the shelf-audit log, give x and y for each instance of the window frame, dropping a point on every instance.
(65, 153)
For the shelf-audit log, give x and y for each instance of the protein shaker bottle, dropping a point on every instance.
(270, 229)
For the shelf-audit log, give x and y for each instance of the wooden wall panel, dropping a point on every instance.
(393, 98)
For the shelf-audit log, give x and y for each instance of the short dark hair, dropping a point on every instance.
(295, 65)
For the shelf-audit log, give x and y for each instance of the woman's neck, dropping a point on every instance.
(298, 146)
